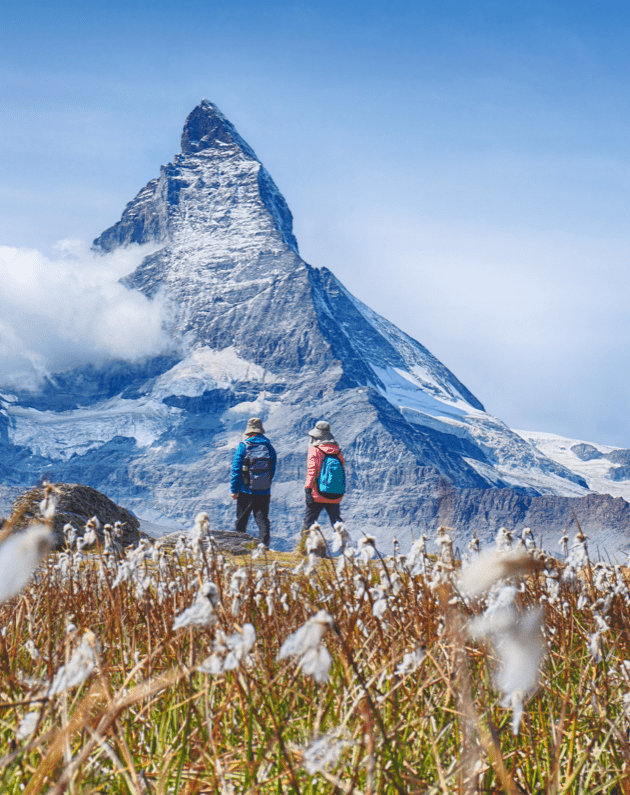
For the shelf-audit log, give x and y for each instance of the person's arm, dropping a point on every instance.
(237, 474)
(273, 459)
(313, 464)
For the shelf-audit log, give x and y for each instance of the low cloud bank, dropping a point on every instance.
(69, 310)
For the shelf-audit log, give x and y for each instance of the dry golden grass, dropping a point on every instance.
(145, 720)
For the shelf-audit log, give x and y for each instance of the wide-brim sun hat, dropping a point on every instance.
(321, 431)
(254, 425)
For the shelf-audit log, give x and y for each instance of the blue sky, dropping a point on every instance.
(461, 166)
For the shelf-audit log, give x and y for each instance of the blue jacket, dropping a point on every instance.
(236, 483)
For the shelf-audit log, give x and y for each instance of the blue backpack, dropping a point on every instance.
(332, 478)
(256, 469)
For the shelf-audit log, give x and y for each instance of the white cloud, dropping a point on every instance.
(69, 309)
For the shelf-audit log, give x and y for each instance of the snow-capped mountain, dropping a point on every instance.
(261, 333)
(605, 469)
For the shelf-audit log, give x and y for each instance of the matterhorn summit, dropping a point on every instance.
(259, 332)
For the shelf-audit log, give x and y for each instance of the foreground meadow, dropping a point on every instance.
(183, 670)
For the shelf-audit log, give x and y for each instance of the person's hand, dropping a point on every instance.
(309, 496)
(234, 496)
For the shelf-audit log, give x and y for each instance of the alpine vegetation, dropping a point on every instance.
(172, 667)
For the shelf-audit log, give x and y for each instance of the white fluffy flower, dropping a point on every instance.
(316, 663)
(379, 608)
(31, 649)
(70, 534)
(594, 647)
(323, 754)
(259, 552)
(340, 537)
(493, 566)
(202, 609)
(20, 555)
(242, 641)
(518, 643)
(202, 525)
(237, 580)
(577, 558)
(78, 668)
(90, 534)
(27, 726)
(366, 548)
(445, 542)
(503, 539)
(416, 555)
(212, 665)
(344, 559)
(229, 651)
(411, 661)
(49, 504)
(305, 644)
(315, 541)
(379, 601)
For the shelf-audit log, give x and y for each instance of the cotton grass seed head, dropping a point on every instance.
(308, 636)
(20, 555)
(27, 726)
(411, 661)
(201, 612)
(79, 667)
(366, 548)
(340, 538)
(323, 754)
(481, 575)
(517, 641)
(202, 525)
(316, 663)
(314, 659)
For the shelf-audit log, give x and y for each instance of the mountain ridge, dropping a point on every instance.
(261, 332)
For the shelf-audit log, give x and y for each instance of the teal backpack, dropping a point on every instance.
(332, 479)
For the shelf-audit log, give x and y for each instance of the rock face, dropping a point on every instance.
(265, 334)
(8, 494)
(601, 517)
(76, 505)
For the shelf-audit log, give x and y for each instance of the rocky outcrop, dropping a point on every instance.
(76, 505)
(586, 452)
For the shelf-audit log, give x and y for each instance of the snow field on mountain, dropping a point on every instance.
(166, 665)
(595, 472)
(60, 435)
(205, 369)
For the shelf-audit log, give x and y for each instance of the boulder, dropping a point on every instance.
(76, 505)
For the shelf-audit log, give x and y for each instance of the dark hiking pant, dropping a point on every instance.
(313, 510)
(258, 504)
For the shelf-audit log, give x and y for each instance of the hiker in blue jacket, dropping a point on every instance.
(253, 469)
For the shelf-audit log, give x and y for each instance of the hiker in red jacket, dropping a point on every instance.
(325, 476)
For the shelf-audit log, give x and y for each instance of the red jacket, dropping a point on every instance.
(316, 455)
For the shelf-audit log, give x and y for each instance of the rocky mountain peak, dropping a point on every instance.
(216, 195)
(207, 128)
